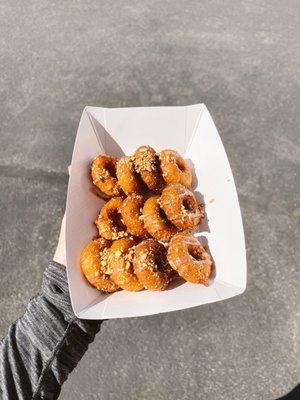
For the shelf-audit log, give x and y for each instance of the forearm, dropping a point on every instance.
(45, 344)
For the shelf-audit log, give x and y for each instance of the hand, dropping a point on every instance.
(60, 252)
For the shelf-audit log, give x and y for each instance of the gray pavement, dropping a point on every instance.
(239, 57)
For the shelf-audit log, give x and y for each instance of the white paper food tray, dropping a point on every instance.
(191, 131)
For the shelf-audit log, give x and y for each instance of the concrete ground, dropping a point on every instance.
(240, 58)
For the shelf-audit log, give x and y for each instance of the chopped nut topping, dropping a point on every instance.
(145, 161)
(127, 264)
(108, 271)
(104, 256)
(184, 212)
(130, 254)
(118, 234)
(102, 175)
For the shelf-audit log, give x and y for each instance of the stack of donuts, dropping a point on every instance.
(145, 228)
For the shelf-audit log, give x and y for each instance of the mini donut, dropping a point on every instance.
(156, 221)
(93, 265)
(128, 178)
(120, 257)
(189, 258)
(151, 265)
(174, 168)
(103, 173)
(181, 207)
(132, 215)
(109, 222)
(146, 164)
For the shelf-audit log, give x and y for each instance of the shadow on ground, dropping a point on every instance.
(293, 395)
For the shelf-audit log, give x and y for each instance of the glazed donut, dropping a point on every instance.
(174, 168)
(156, 221)
(109, 222)
(151, 265)
(103, 173)
(93, 265)
(189, 258)
(128, 179)
(146, 164)
(120, 257)
(181, 207)
(132, 215)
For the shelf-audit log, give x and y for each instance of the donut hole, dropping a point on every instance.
(180, 165)
(115, 217)
(164, 217)
(157, 163)
(188, 204)
(111, 170)
(162, 214)
(159, 261)
(195, 253)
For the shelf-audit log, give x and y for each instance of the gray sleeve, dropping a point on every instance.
(45, 344)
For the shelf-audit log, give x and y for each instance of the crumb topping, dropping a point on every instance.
(118, 253)
(130, 254)
(104, 261)
(184, 213)
(150, 261)
(141, 216)
(145, 161)
(127, 258)
(169, 158)
(118, 234)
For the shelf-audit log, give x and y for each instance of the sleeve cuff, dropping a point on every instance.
(56, 290)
